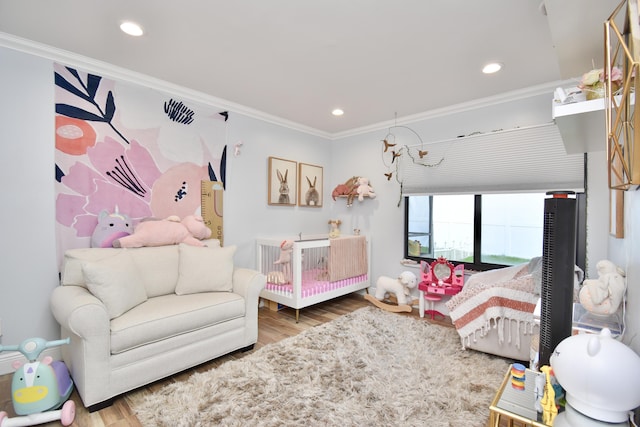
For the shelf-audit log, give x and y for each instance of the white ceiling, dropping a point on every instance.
(299, 59)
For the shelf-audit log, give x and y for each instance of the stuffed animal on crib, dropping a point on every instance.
(401, 287)
(335, 230)
(170, 231)
(604, 294)
(111, 226)
(286, 247)
(364, 189)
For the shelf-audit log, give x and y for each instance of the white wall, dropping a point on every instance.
(626, 253)
(246, 212)
(28, 257)
(27, 254)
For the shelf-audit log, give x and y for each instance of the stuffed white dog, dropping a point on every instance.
(604, 294)
(401, 286)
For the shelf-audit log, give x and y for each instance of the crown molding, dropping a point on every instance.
(123, 74)
(543, 89)
(115, 72)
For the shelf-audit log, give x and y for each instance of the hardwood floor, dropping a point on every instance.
(273, 326)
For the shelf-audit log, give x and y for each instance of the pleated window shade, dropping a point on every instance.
(518, 160)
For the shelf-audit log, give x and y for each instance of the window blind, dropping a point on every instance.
(516, 160)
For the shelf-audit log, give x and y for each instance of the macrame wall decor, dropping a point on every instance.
(395, 154)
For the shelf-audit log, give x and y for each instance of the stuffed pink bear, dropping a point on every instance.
(170, 231)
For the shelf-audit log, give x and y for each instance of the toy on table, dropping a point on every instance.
(548, 402)
(170, 231)
(335, 230)
(111, 226)
(400, 287)
(39, 387)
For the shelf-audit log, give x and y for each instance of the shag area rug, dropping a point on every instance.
(366, 368)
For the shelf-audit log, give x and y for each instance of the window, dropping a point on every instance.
(482, 231)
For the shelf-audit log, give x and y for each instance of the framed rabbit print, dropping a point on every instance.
(283, 182)
(309, 185)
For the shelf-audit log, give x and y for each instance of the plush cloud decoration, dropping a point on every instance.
(604, 294)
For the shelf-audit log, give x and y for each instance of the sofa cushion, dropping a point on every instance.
(159, 268)
(71, 273)
(205, 269)
(116, 282)
(170, 315)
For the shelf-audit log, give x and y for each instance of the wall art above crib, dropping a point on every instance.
(310, 185)
(283, 182)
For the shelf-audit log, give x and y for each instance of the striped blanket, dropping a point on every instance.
(494, 300)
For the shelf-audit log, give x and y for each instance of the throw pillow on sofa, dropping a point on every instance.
(116, 282)
(204, 269)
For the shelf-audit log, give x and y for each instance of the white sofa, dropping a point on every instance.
(138, 315)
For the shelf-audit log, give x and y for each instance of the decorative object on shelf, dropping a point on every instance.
(364, 189)
(604, 295)
(282, 182)
(348, 190)
(398, 289)
(310, 185)
(335, 228)
(622, 122)
(593, 82)
(392, 152)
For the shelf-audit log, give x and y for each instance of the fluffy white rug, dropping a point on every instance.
(367, 368)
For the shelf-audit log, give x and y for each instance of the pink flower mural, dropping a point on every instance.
(108, 157)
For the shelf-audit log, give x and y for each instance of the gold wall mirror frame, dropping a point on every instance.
(622, 49)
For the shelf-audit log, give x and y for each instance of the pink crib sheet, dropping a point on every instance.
(313, 283)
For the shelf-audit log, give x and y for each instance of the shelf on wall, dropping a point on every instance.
(582, 125)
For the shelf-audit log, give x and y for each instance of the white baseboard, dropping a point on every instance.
(7, 359)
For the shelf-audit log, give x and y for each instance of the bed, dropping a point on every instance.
(494, 311)
(321, 269)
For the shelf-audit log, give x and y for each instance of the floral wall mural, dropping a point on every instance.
(125, 147)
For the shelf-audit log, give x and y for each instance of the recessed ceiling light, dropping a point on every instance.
(131, 28)
(337, 112)
(491, 68)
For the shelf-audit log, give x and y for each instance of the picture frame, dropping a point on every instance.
(283, 181)
(310, 185)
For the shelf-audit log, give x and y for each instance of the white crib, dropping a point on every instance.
(321, 269)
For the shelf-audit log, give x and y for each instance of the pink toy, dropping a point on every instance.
(286, 247)
(170, 231)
